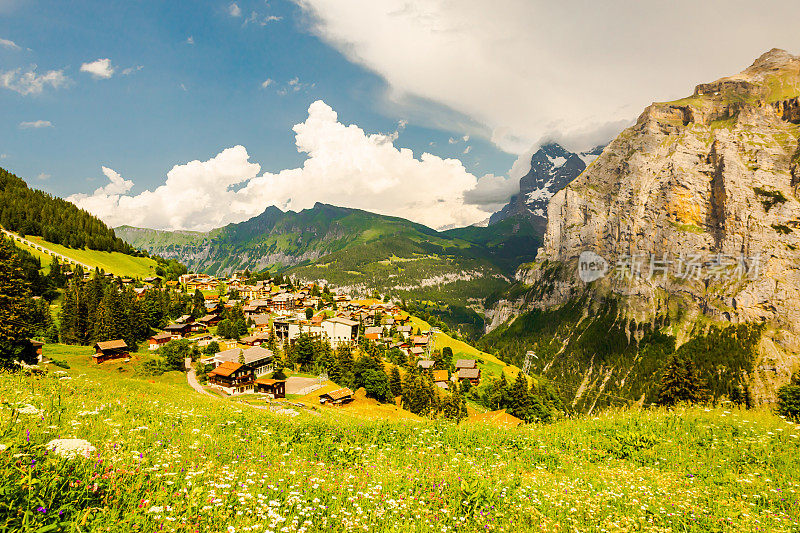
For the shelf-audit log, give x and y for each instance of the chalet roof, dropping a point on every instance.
(466, 363)
(495, 418)
(259, 303)
(373, 330)
(425, 363)
(176, 327)
(469, 373)
(207, 318)
(260, 320)
(404, 329)
(417, 350)
(440, 375)
(117, 344)
(37, 344)
(183, 319)
(161, 336)
(339, 394)
(253, 338)
(270, 382)
(226, 369)
(251, 355)
(420, 340)
(345, 321)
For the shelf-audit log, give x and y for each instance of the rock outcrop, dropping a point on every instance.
(695, 210)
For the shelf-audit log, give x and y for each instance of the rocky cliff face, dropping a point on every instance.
(694, 212)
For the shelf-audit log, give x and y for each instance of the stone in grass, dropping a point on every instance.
(71, 448)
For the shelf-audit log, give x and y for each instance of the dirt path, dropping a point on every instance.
(193, 383)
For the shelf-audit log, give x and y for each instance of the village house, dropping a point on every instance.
(209, 320)
(261, 323)
(255, 339)
(157, 341)
(425, 364)
(405, 331)
(440, 378)
(466, 363)
(337, 397)
(373, 333)
(178, 331)
(106, 350)
(273, 388)
(232, 378)
(471, 374)
(257, 359)
(340, 331)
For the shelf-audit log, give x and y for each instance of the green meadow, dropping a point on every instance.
(166, 458)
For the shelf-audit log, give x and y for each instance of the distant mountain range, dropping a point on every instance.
(354, 248)
(552, 168)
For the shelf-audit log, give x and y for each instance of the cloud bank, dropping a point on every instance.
(532, 70)
(345, 166)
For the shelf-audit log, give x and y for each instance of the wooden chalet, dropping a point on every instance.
(106, 350)
(274, 388)
(425, 364)
(209, 320)
(337, 397)
(466, 363)
(232, 378)
(157, 341)
(256, 339)
(473, 375)
(178, 330)
(440, 378)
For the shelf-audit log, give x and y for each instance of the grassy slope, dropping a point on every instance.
(488, 363)
(171, 459)
(114, 262)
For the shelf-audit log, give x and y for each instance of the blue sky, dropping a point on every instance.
(188, 101)
(155, 113)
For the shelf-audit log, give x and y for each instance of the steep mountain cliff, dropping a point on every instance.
(684, 233)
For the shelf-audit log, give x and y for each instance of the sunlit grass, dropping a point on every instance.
(168, 458)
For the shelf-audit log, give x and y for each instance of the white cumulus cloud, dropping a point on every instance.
(29, 82)
(345, 166)
(100, 68)
(234, 10)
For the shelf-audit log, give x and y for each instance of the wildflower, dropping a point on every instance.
(71, 448)
(28, 409)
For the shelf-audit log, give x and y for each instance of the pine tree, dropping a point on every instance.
(520, 398)
(681, 382)
(395, 382)
(15, 331)
(304, 350)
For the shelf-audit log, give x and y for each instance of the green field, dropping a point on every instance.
(170, 459)
(117, 263)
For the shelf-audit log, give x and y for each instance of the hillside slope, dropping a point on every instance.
(708, 186)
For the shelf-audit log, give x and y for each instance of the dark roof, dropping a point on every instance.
(176, 327)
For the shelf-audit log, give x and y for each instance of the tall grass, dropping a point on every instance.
(170, 459)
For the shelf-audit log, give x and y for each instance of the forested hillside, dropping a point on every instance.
(32, 212)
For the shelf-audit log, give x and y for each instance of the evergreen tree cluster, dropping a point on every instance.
(32, 212)
(535, 402)
(99, 310)
(15, 329)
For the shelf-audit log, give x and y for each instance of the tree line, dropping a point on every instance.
(32, 212)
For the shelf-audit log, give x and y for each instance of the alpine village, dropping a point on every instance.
(615, 349)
